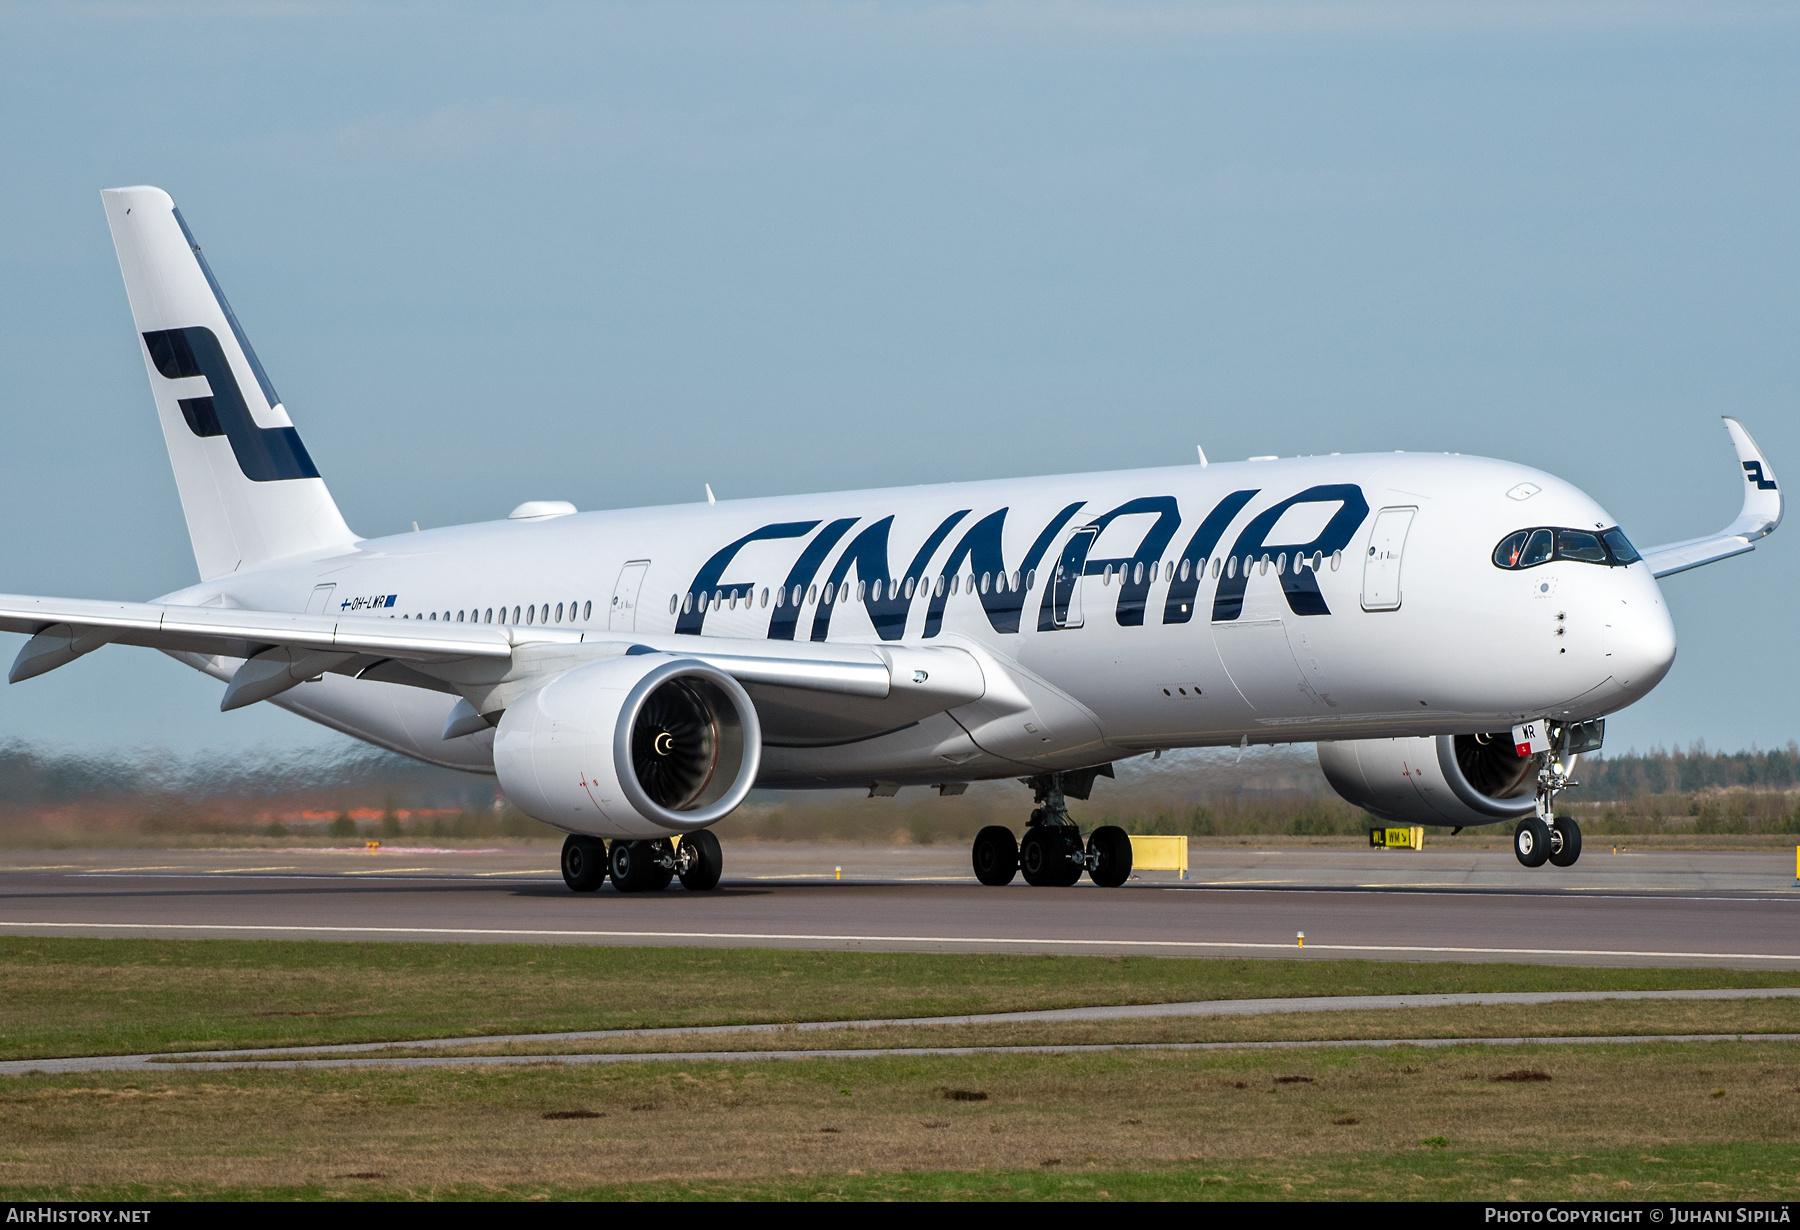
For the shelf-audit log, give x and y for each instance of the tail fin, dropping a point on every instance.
(249, 491)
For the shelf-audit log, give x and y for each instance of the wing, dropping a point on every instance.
(837, 688)
(1759, 517)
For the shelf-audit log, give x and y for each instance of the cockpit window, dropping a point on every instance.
(1581, 545)
(1530, 547)
(1620, 546)
(1537, 550)
(1506, 555)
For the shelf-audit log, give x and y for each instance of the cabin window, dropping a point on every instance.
(1031, 579)
(1015, 580)
(985, 578)
(1281, 564)
(515, 617)
(559, 612)
(1337, 557)
(587, 611)
(844, 592)
(530, 615)
(1230, 568)
(459, 617)
(1106, 576)
(674, 603)
(765, 597)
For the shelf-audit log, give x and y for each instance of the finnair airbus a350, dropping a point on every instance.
(1448, 629)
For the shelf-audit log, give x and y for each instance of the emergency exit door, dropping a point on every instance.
(623, 615)
(1381, 566)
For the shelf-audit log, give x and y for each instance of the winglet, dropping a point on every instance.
(1762, 497)
(1758, 518)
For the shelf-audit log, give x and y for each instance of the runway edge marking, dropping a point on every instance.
(894, 939)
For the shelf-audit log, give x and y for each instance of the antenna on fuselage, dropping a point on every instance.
(710, 498)
(1202, 453)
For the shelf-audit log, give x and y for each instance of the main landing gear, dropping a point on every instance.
(1052, 853)
(643, 866)
(1557, 839)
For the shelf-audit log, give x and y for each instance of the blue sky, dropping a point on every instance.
(607, 253)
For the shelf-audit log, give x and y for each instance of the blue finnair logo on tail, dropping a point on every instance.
(264, 454)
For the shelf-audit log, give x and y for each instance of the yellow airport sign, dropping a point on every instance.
(1159, 854)
(1398, 839)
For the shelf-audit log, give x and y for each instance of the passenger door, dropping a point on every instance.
(623, 615)
(1065, 609)
(1381, 567)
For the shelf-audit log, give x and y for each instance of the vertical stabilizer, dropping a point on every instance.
(248, 488)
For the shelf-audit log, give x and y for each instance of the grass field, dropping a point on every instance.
(86, 997)
(1534, 1121)
(1694, 1121)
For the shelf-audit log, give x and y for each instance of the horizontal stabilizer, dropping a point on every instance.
(1758, 518)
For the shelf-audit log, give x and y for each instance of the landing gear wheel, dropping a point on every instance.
(631, 866)
(1565, 841)
(583, 863)
(706, 862)
(1531, 841)
(996, 856)
(1044, 856)
(1109, 856)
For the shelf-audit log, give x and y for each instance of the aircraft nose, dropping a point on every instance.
(1640, 639)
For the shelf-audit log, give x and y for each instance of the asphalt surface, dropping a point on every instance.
(1687, 908)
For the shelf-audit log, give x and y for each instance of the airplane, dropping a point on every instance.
(1451, 631)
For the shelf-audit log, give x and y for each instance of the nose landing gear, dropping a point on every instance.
(1052, 854)
(1548, 837)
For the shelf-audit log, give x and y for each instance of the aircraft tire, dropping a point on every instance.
(584, 863)
(1569, 848)
(995, 856)
(1531, 842)
(709, 861)
(630, 866)
(1110, 847)
(1038, 855)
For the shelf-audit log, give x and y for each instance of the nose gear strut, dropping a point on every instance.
(1546, 836)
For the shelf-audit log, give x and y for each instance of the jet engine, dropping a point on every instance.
(637, 746)
(1450, 779)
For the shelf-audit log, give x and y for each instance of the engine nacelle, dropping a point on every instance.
(638, 746)
(1450, 779)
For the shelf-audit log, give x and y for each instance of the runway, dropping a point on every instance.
(1686, 908)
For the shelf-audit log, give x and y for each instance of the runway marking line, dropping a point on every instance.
(901, 939)
(233, 871)
(170, 867)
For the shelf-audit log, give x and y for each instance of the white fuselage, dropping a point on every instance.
(1407, 627)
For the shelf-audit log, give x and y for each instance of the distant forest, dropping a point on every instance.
(34, 776)
(1689, 772)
